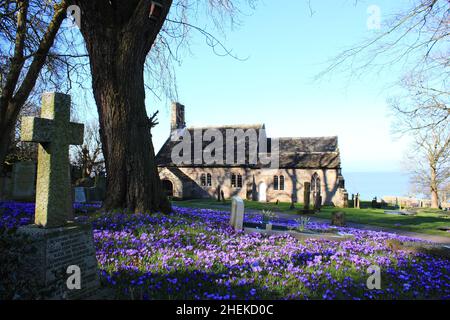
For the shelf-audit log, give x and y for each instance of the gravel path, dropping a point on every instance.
(427, 237)
(423, 236)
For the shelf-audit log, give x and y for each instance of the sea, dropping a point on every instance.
(377, 184)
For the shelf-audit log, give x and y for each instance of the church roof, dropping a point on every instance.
(309, 144)
(297, 152)
(309, 152)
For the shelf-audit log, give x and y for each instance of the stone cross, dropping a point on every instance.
(237, 213)
(54, 132)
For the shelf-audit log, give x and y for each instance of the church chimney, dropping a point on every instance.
(177, 119)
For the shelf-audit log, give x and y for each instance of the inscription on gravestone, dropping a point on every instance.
(59, 248)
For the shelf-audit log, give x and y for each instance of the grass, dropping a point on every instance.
(426, 221)
(226, 205)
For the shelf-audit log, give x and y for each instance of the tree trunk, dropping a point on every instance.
(14, 94)
(117, 55)
(8, 120)
(132, 177)
(5, 140)
(434, 188)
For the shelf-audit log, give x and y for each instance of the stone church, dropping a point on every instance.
(304, 162)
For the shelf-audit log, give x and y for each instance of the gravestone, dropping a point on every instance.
(317, 202)
(338, 219)
(95, 193)
(306, 195)
(24, 181)
(345, 197)
(5, 188)
(94, 189)
(80, 195)
(237, 213)
(356, 202)
(64, 250)
(254, 190)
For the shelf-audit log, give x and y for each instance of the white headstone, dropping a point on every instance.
(80, 195)
(237, 213)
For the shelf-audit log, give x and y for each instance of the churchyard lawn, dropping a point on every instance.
(426, 221)
(195, 254)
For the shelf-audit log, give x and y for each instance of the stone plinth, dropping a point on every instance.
(338, 219)
(57, 249)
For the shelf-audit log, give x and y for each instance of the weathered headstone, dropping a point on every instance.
(254, 190)
(237, 213)
(317, 202)
(24, 181)
(356, 203)
(80, 195)
(338, 219)
(64, 251)
(345, 197)
(54, 132)
(5, 188)
(306, 195)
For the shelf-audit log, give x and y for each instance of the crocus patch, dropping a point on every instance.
(194, 254)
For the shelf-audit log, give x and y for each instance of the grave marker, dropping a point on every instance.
(60, 246)
(24, 181)
(80, 195)
(54, 132)
(237, 213)
(306, 195)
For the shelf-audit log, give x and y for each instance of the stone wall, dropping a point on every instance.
(408, 202)
(221, 177)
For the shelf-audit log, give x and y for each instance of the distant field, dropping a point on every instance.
(426, 221)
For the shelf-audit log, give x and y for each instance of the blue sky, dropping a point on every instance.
(286, 47)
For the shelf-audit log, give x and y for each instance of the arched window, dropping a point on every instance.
(281, 182)
(233, 180)
(315, 183)
(239, 181)
(275, 182)
(208, 180)
(203, 180)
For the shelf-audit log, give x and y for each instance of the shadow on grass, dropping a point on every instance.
(183, 285)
